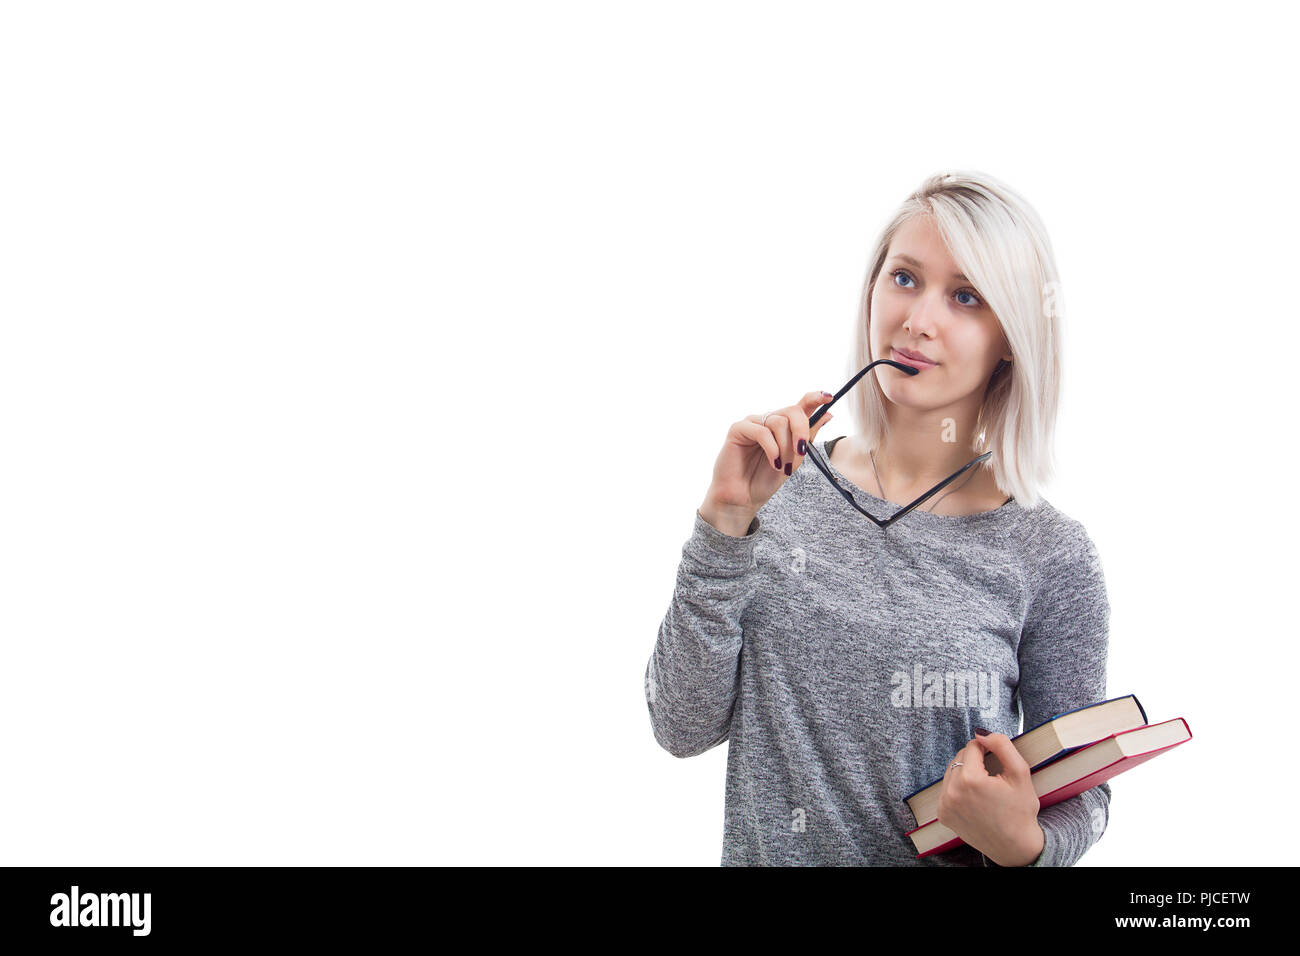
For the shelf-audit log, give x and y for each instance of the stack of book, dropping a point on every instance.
(1067, 755)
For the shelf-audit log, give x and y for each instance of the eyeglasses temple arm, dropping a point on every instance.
(955, 475)
(844, 492)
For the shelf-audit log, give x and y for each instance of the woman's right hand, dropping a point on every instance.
(756, 459)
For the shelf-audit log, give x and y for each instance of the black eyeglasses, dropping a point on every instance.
(848, 496)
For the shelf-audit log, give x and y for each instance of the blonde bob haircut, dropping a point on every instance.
(998, 241)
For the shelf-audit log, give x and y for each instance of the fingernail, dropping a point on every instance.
(981, 732)
(827, 395)
(787, 468)
(803, 447)
(778, 464)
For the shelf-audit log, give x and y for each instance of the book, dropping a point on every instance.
(1074, 773)
(1045, 742)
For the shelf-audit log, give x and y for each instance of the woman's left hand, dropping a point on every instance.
(997, 815)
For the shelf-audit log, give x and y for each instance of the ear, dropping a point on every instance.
(1006, 356)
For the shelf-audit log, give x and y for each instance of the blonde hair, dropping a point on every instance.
(998, 241)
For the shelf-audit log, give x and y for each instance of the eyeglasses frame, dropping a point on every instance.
(847, 495)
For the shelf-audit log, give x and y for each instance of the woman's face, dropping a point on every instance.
(919, 304)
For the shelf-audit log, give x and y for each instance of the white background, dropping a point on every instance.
(364, 364)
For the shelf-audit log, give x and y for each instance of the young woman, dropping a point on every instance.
(849, 664)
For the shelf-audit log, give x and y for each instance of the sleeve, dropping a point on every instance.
(1062, 659)
(690, 682)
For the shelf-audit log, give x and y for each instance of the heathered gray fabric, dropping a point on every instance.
(791, 643)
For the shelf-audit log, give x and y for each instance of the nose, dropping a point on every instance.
(920, 323)
(922, 320)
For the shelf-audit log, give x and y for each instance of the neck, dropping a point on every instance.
(923, 448)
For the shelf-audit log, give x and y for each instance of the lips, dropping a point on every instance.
(913, 358)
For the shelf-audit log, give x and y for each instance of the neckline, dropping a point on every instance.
(882, 508)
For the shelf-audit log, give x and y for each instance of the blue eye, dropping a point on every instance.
(903, 272)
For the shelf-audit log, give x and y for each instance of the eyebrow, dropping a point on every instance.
(921, 265)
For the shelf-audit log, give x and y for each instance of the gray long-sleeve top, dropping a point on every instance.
(846, 665)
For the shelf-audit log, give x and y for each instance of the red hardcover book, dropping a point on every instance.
(1074, 773)
(1050, 740)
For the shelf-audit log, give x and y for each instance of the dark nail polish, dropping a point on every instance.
(787, 468)
(803, 447)
(981, 732)
(778, 464)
